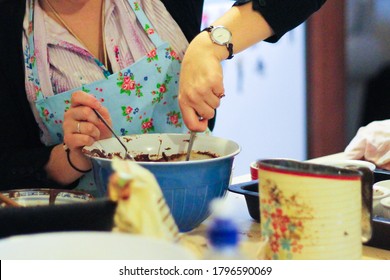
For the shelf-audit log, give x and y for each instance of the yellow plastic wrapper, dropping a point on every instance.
(141, 207)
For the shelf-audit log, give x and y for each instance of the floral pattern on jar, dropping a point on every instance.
(285, 230)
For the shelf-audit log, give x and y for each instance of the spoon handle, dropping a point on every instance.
(8, 201)
(104, 121)
(190, 144)
(127, 155)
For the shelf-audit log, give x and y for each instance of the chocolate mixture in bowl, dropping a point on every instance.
(195, 155)
(164, 154)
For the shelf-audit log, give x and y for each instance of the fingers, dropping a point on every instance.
(371, 143)
(378, 153)
(201, 86)
(87, 128)
(81, 98)
(196, 111)
(80, 129)
(193, 121)
(205, 108)
(356, 149)
(81, 125)
(77, 141)
(217, 88)
(200, 102)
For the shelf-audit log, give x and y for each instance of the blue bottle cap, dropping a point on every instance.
(222, 232)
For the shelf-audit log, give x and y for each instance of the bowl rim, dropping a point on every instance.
(190, 162)
(46, 190)
(52, 194)
(385, 191)
(382, 183)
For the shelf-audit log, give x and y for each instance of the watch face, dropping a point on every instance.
(221, 35)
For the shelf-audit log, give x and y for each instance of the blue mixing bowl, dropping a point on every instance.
(188, 186)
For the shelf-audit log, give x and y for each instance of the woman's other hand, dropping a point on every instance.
(201, 82)
(372, 143)
(201, 78)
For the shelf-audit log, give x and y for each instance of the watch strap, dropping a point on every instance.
(230, 49)
(229, 46)
(208, 29)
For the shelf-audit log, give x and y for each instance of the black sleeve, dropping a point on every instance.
(187, 14)
(22, 155)
(284, 15)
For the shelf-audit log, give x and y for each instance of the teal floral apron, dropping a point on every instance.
(141, 98)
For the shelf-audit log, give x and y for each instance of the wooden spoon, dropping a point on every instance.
(8, 201)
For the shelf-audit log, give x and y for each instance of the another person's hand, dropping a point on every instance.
(201, 82)
(201, 78)
(372, 143)
(81, 125)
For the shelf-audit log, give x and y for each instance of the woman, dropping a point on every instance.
(57, 61)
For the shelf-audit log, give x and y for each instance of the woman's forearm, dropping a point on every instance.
(246, 25)
(59, 169)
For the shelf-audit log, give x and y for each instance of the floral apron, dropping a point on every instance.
(141, 98)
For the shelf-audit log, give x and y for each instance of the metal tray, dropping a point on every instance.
(381, 226)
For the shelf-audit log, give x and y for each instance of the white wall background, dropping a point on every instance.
(264, 110)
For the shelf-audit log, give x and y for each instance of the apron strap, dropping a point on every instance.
(145, 23)
(31, 49)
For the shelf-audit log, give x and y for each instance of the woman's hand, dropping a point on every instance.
(201, 82)
(81, 128)
(201, 77)
(372, 143)
(81, 125)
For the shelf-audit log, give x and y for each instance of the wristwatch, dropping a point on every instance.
(220, 35)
